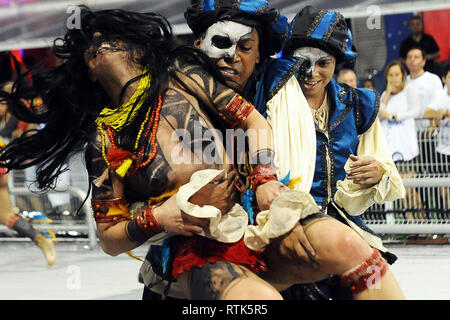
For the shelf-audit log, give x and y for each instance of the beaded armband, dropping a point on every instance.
(262, 174)
(143, 227)
(237, 111)
(110, 210)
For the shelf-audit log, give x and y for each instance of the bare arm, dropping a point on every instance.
(432, 114)
(231, 107)
(114, 237)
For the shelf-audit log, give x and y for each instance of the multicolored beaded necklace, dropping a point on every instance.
(113, 120)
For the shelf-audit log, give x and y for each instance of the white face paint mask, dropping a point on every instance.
(312, 55)
(222, 38)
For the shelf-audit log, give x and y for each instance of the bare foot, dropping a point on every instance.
(47, 248)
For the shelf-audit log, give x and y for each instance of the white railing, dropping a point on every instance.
(60, 205)
(426, 207)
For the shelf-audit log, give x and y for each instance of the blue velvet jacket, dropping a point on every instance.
(352, 112)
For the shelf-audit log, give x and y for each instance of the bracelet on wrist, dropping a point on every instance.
(261, 175)
(147, 222)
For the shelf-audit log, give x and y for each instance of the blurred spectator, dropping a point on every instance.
(369, 84)
(418, 38)
(427, 84)
(348, 76)
(399, 107)
(440, 110)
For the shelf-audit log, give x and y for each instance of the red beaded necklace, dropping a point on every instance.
(152, 127)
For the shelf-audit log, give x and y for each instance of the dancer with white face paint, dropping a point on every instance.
(222, 38)
(312, 56)
(353, 168)
(343, 250)
(234, 47)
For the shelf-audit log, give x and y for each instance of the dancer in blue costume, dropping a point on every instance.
(353, 169)
(343, 251)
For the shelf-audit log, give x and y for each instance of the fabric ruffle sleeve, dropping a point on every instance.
(356, 199)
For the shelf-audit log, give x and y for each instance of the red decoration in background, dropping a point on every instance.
(437, 24)
(18, 54)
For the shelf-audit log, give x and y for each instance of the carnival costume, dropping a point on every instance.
(345, 124)
(269, 224)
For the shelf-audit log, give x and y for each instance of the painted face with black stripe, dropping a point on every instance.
(313, 56)
(320, 70)
(234, 47)
(221, 39)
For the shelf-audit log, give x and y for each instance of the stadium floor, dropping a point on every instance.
(84, 274)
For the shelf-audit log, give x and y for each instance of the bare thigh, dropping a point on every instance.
(225, 280)
(338, 248)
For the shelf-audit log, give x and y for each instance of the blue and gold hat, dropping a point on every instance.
(271, 23)
(326, 30)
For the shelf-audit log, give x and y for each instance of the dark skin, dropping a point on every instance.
(244, 63)
(112, 68)
(177, 112)
(416, 27)
(291, 257)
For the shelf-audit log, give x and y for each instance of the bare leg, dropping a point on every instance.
(226, 281)
(338, 250)
(13, 221)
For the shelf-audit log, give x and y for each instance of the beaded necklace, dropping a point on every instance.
(117, 118)
(119, 159)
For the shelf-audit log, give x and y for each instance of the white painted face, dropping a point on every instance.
(313, 55)
(222, 38)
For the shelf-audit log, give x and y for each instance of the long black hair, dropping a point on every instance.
(71, 102)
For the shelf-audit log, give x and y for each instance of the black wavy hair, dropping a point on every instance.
(71, 102)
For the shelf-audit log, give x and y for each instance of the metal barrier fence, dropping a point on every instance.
(426, 207)
(56, 210)
(425, 210)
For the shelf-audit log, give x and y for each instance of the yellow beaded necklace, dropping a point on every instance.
(117, 118)
(117, 158)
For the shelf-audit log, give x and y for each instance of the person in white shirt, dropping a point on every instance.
(426, 83)
(428, 86)
(439, 110)
(400, 105)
